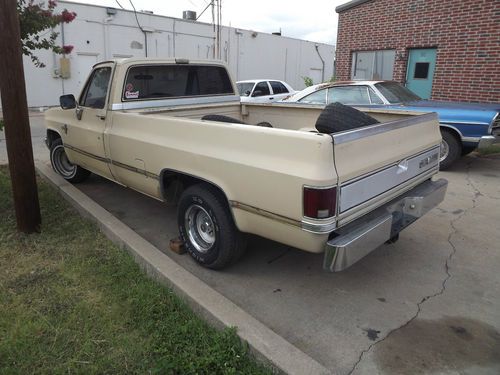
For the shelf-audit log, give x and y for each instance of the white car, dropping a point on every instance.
(263, 90)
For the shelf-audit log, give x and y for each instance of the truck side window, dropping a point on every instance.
(94, 95)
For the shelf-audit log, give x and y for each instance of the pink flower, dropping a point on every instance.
(67, 16)
(67, 49)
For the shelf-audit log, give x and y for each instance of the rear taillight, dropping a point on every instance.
(320, 203)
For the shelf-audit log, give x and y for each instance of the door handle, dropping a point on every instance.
(271, 98)
(102, 117)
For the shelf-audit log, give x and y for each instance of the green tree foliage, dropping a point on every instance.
(308, 81)
(36, 17)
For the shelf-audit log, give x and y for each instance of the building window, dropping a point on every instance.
(421, 70)
(373, 65)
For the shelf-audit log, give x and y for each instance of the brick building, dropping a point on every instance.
(442, 49)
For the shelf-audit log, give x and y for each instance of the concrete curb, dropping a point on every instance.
(219, 311)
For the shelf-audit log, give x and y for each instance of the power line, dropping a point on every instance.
(119, 4)
(203, 11)
(140, 27)
(135, 14)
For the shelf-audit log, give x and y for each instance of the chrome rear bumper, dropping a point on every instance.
(357, 239)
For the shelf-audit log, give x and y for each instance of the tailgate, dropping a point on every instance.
(378, 162)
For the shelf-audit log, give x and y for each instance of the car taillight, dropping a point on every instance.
(320, 203)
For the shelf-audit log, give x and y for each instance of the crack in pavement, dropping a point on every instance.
(454, 231)
(477, 192)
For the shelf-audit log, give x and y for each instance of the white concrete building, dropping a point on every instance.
(101, 33)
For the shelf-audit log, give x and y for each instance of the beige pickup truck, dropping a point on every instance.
(161, 127)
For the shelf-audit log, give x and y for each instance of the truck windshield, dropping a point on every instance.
(396, 93)
(174, 81)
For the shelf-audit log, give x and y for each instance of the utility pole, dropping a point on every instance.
(213, 23)
(16, 121)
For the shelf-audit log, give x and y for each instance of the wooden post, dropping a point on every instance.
(16, 121)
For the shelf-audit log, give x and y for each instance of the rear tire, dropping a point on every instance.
(61, 164)
(207, 228)
(451, 149)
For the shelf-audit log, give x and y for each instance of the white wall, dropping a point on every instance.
(97, 36)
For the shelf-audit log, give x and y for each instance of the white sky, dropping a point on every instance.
(313, 20)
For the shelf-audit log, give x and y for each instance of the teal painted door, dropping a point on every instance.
(420, 72)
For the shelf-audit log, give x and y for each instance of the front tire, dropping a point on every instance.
(61, 164)
(466, 150)
(451, 149)
(207, 228)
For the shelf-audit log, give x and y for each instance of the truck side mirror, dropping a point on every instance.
(67, 101)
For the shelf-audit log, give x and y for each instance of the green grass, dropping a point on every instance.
(493, 149)
(72, 302)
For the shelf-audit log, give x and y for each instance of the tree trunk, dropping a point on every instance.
(16, 121)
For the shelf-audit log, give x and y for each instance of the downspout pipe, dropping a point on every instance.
(63, 43)
(106, 22)
(322, 63)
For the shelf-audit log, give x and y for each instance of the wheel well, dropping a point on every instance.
(173, 183)
(52, 135)
(453, 132)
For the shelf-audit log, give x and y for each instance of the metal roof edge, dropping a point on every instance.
(140, 12)
(349, 5)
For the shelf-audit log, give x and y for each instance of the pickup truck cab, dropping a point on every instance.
(175, 130)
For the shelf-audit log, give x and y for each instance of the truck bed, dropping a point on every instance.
(371, 165)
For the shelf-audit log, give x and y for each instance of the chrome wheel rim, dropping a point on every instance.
(62, 164)
(445, 151)
(200, 228)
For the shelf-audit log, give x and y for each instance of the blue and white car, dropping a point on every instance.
(464, 126)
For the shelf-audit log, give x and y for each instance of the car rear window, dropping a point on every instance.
(174, 81)
(395, 93)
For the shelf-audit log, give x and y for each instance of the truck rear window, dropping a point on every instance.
(174, 81)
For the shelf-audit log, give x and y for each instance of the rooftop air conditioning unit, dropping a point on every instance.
(189, 15)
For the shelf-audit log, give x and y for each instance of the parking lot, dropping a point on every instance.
(428, 303)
